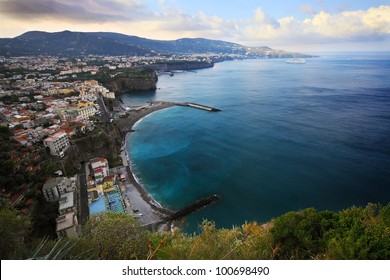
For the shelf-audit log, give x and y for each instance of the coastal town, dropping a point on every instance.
(48, 105)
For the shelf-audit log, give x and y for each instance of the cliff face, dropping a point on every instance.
(182, 65)
(142, 80)
(102, 143)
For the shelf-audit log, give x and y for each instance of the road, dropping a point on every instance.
(83, 212)
(104, 114)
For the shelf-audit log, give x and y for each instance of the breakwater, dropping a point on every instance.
(199, 106)
(204, 202)
(201, 203)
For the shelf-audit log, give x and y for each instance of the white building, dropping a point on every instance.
(66, 203)
(57, 143)
(108, 94)
(100, 169)
(67, 225)
(54, 187)
(86, 112)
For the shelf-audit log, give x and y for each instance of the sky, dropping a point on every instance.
(294, 25)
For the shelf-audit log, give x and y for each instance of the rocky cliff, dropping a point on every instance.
(182, 65)
(143, 79)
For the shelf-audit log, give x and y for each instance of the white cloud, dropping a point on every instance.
(372, 24)
(134, 18)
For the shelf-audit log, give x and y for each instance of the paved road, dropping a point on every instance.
(104, 114)
(84, 210)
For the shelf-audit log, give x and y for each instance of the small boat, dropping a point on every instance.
(296, 61)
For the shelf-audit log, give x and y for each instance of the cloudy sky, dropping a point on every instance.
(296, 25)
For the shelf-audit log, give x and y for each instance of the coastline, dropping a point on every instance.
(126, 125)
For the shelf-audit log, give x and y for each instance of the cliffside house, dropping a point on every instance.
(99, 168)
(54, 187)
(67, 225)
(57, 143)
(66, 203)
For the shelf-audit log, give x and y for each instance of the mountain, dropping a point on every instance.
(67, 43)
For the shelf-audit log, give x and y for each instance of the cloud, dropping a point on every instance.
(372, 24)
(82, 11)
(351, 24)
(134, 18)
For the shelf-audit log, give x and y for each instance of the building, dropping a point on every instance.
(50, 190)
(85, 112)
(99, 168)
(81, 112)
(66, 203)
(108, 94)
(67, 114)
(54, 187)
(67, 225)
(57, 143)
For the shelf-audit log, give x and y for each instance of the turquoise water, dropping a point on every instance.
(289, 137)
(97, 206)
(115, 203)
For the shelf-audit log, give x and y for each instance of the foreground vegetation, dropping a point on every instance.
(355, 233)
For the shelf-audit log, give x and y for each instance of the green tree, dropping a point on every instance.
(13, 230)
(361, 233)
(300, 235)
(116, 236)
(43, 217)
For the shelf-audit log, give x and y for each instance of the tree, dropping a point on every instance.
(301, 235)
(13, 229)
(43, 217)
(361, 233)
(116, 236)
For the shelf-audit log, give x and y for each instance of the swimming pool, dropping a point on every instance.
(115, 203)
(97, 206)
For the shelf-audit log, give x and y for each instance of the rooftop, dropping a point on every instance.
(56, 136)
(65, 221)
(52, 183)
(66, 201)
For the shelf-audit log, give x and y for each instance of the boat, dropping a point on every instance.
(296, 61)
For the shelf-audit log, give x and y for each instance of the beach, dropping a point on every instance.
(136, 198)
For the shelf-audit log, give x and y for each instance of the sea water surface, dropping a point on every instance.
(289, 136)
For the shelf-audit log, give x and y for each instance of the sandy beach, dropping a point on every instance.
(136, 197)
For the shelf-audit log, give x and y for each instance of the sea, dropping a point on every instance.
(289, 137)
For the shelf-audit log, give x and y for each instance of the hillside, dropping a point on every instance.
(357, 233)
(67, 43)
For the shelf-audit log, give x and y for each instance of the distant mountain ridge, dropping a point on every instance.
(68, 43)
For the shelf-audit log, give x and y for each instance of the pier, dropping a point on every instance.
(192, 208)
(199, 106)
(204, 202)
(185, 104)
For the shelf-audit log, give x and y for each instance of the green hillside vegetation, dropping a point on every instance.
(355, 233)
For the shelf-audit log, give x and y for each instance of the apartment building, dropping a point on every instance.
(54, 187)
(99, 168)
(57, 143)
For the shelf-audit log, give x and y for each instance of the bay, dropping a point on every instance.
(289, 136)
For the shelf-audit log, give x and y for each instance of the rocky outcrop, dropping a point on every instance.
(141, 80)
(182, 65)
